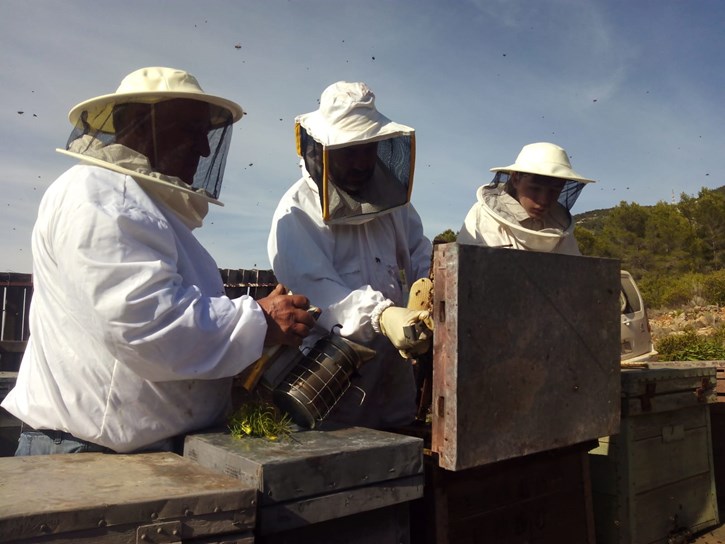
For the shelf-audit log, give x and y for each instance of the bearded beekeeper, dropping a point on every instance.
(347, 236)
(132, 339)
(527, 205)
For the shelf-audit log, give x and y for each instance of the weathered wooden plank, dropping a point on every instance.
(678, 460)
(131, 533)
(390, 525)
(310, 463)
(520, 336)
(667, 387)
(633, 406)
(661, 425)
(107, 495)
(689, 504)
(294, 514)
(318, 484)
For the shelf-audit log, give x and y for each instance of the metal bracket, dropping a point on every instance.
(646, 399)
(168, 532)
(705, 388)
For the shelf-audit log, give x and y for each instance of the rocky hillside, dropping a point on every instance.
(703, 319)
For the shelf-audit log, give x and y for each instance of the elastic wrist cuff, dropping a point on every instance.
(378, 312)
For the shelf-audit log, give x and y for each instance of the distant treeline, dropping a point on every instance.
(676, 252)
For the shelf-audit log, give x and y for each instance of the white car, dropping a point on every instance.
(636, 333)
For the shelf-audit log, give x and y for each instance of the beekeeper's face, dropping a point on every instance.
(536, 194)
(182, 128)
(351, 167)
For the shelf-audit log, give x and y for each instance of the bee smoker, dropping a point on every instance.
(307, 385)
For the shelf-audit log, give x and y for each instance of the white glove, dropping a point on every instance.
(394, 321)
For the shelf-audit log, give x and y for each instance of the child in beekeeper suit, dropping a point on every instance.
(527, 204)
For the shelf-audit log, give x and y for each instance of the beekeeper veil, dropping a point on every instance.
(361, 161)
(550, 161)
(162, 129)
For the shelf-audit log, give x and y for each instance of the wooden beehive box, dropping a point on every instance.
(544, 497)
(654, 480)
(340, 485)
(141, 498)
(525, 355)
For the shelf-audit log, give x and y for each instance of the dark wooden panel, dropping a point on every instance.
(544, 498)
(526, 353)
(717, 418)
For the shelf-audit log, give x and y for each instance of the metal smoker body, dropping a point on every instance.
(307, 385)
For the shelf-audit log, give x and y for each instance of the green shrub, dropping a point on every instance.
(670, 291)
(445, 237)
(719, 334)
(713, 287)
(689, 346)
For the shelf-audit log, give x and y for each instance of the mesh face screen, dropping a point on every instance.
(386, 188)
(190, 147)
(568, 196)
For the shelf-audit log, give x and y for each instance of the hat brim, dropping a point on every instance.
(551, 170)
(101, 107)
(356, 129)
(142, 178)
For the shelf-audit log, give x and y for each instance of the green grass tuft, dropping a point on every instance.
(259, 419)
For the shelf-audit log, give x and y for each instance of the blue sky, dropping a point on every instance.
(632, 89)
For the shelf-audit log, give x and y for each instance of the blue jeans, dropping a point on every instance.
(52, 442)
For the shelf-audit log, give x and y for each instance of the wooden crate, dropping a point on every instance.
(719, 366)
(112, 499)
(543, 498)
(526, 353)
(16, 292)
(717, 422)
(9, 424)
(340, 485)
(654, 481)
(252, 282)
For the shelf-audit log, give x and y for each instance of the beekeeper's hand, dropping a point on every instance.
(288, 321)
(406, 330)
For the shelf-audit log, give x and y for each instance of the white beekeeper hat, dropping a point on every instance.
(544, 159)
(347, 115)
(95, 140)
(149, 86)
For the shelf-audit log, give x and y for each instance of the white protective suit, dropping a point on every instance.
(353, 272)
(132, 337)
(498, 220)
